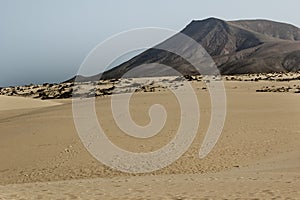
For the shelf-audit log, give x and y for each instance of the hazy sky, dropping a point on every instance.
(46, 41)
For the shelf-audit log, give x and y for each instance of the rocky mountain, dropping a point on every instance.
(237, 47)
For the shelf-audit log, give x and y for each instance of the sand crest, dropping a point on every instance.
(14, 103)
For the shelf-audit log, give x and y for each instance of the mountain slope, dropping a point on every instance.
(270, 28)
(237, 47)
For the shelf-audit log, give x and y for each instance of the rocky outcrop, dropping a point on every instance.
(144, 85)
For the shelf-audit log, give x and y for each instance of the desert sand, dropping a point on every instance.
(256, 157)
(17, 103)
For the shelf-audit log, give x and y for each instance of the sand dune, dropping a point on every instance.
(14, 103)
(257, 155)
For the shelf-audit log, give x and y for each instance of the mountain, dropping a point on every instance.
(237, 47)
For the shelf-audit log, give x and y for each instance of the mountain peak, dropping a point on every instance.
(219, 37)
(209, 19)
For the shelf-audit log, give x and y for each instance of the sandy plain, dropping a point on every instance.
(256, 157)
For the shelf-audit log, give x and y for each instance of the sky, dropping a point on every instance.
(47, 40)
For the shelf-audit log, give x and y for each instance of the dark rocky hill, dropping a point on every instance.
(237, 47)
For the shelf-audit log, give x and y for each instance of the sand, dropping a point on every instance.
(257, 156)
(16, 103)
